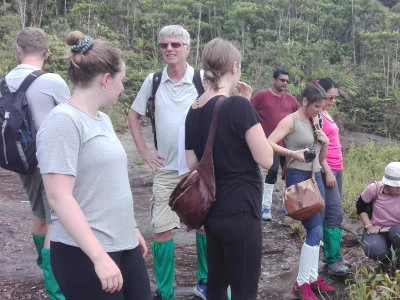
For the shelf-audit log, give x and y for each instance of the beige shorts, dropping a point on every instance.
(162, 217)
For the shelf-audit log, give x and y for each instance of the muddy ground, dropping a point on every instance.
(20, 278)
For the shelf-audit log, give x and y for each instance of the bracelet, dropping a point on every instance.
(367, 226)
(288, 153)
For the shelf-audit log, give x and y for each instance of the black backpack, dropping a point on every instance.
(150, 106)
(18, 134)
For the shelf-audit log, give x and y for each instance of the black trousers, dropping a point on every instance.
(234, 246)
(75, 274)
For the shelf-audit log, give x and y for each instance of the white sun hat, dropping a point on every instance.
(392, 174)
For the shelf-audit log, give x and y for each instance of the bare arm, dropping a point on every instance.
(329, 177)
(191, 159)
(59, 193)
(371, 228)
(151, 157)
(284, 127)
(259, 147)
(142, 242)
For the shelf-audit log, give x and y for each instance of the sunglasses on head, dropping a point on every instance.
(284, 80)
(173, 45)
(331, 98)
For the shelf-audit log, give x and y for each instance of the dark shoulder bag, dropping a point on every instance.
(193, 196)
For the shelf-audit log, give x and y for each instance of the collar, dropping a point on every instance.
(187, 77)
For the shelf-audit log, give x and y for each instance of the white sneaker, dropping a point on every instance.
(266, 214)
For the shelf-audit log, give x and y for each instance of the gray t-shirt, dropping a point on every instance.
(43, 94)
(73, 143)
(301, 137)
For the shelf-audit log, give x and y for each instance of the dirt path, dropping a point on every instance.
(20, 278)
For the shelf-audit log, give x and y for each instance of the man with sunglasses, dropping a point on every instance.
(176, 92)
(273, 104)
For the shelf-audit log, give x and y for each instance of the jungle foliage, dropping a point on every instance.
(355, 42)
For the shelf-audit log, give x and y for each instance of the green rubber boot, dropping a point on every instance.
(331, 240)
(50, 283)
(39, 243)
(202, 268)
(164, 268)
(332, 256)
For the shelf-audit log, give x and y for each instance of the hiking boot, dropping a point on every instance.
(320, 285)
(345, 262)
(339, 268)
(303, 291)
(266, 214)
(200, 291)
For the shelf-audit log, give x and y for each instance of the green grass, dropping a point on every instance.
(367, 284)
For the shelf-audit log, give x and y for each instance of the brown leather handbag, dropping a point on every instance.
(304, 200)
(193, 196)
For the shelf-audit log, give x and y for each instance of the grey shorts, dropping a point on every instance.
(162, 217)
(33, 186)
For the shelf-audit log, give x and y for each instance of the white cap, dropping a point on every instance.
(392, 174)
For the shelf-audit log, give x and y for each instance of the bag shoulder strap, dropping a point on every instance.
(198, 82)
(315, 144)
(213, 126)
(379, 190)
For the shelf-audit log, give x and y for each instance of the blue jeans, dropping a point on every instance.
(333, 201)
(312, 225)
(377, 246)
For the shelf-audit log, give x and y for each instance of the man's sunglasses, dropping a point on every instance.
(284, 80)
(174, 45)
(331, 98)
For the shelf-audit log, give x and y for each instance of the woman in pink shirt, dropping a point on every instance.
(332, 177)
(382, 222)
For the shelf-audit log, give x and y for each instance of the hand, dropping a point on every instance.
(373, 229)
(142, 242)
(153, 159)
(321, 136)
(109, 274)
(330, 179)
(298, 155)
(245, 90)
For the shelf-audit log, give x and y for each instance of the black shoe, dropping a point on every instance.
(157, 296)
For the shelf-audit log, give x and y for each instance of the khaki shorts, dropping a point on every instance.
(33, 186)
(162, 217)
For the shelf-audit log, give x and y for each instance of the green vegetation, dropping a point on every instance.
(354, 42)
(368, 284)
(363, 165)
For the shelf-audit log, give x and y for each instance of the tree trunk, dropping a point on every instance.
(198, 35)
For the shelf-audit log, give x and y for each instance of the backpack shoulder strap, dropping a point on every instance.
(198, 82)
(156, 83)
(4, 87)
(29, 79)
(150, 105)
